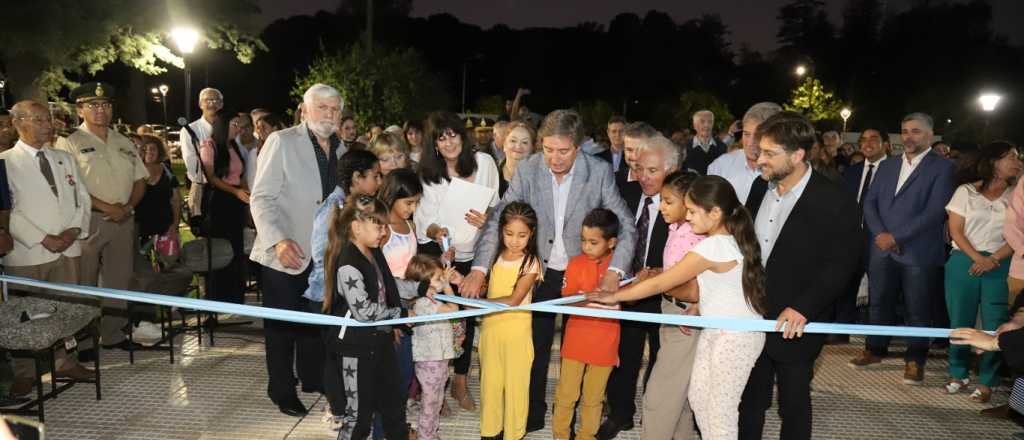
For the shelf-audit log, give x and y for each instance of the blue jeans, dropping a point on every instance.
(405, 375)
(919, 286)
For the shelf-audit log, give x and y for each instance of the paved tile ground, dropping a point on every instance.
(220, 393)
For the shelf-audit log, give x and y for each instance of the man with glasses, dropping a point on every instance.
(115, 178)
(48, 220)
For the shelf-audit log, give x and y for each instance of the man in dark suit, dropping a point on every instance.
(657, 157)
(562, 186)
(806, 226)
(905, 213)
(856, 179)
(704, 148)
(616, 154)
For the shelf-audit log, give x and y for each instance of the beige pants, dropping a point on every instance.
(108, 256)
(667, 413)
(62, 270)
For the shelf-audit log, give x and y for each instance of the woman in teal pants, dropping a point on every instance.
(978, 267)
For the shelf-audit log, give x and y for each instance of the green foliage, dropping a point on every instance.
(814, 101)
(387, 87)
(595, 114)
(95, 33)
(691, 102)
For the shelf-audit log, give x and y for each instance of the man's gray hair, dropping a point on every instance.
(640, 130)
(761, 111)
(703, 112)
(211, 90)
(662, 145)
(565, 123)
(923, 118)
(322, 91)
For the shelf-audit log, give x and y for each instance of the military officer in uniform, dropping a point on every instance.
(116, 179)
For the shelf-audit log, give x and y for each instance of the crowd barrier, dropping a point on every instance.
(477, 308)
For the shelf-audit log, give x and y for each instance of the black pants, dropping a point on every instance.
(371, 388)
(543, 336)
(621, 390)
(290, 347)
(794, 381)
(227, 218)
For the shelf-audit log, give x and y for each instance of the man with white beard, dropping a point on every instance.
(291, 162)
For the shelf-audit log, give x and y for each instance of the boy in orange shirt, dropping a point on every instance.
(590, 348)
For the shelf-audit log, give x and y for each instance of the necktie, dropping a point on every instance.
(44, 166)
(642, 223)
(864, 186)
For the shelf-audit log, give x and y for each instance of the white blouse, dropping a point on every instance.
(428, 212)
(721, 294)
(983, 218)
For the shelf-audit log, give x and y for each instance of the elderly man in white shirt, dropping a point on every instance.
(50, 213)
(739, 167)
(210, 102)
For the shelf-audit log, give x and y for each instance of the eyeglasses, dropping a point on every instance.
(36, 119)
(95, 105)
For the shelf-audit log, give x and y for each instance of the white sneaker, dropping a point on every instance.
(147, 333)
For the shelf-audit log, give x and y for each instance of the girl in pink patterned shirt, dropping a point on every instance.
(667, 411)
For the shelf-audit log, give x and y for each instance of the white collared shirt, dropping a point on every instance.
(706, 146)
(983, 218)
(559, 258)
(733, 167)
(907, 167)
(652, 213)
(773, 213)
(864, 174)
(203, 131)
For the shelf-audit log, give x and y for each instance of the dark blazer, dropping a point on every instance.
(655, 256)
(1011, 343)
(698, 160)
(851, 178)
(622, 173)
(811, 264)
(916, 216)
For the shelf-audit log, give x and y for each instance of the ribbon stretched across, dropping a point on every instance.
(480, 307)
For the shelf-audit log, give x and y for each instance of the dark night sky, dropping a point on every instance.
(751, 21)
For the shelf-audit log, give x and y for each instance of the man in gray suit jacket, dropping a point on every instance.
(562, 186)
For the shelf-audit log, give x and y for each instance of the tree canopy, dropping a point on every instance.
(52, 43)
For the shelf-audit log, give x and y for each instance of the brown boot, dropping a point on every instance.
(460, 392)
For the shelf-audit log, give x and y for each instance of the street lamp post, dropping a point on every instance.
(801, 70)
(3, 96)
(988, 102)
(186, 39)
(163, 99)
(845, 113)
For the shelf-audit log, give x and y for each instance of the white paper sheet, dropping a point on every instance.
(462, 196)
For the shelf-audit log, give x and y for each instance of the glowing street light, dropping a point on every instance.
(845, 113)
(186, 39)
(801, 70)
(989, 101)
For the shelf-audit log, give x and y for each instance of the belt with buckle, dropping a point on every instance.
(676, 302)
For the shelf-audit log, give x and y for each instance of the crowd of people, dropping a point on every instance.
(770, 219)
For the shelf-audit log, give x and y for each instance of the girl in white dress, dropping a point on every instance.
(731, 281)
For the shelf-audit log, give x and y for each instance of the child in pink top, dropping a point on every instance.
(667, 411)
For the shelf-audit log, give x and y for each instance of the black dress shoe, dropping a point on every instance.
(309, 389)
(292, 407)
(609, 429)
(837, 339)
(532, 426)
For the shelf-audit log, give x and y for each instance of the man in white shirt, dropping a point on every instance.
(210, 102)
(739, 167)
(50, 213)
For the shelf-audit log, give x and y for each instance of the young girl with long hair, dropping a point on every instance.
(359, 285)
(506, 338)
(433, 343)
(731, 280)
